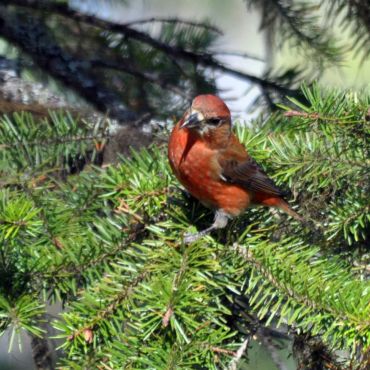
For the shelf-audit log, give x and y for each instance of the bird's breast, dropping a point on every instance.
(197, 168)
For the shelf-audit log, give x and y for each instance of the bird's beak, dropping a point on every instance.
(192, 119)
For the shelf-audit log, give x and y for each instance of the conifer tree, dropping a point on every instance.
(108, 244)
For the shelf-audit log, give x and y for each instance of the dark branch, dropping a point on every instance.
(239, 54)
(203, 59)
(311, 353)
(126, 68)
(33, 37)
(42, 351)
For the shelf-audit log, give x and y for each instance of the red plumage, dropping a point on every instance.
(211, 163)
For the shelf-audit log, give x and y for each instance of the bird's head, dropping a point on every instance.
(206, 114)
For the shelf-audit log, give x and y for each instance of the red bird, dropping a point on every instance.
(212, 164)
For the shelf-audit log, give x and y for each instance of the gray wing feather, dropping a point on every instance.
(249, 175)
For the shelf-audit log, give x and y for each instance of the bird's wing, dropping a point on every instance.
(248, 174)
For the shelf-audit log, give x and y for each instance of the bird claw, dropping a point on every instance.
(191, 237)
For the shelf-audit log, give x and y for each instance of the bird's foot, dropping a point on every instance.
(192, 237)
(220, 222)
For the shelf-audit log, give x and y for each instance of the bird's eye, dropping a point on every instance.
(214, 121)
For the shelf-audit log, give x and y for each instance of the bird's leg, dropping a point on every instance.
(220, 221)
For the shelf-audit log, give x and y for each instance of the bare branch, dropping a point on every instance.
(239, 54)
(239, 354)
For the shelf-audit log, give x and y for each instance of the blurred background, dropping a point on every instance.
(141, 62)
(152, 57)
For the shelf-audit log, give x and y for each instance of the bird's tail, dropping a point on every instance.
(288, 209)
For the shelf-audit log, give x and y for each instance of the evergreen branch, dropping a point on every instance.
(291, 17)
(52, 144)
(317, 116)
(177, 281)
(21, 312)
(357, 17)
(73, 270)
(125, 208)
(58, 141)
(112, 306)
(127, 68)
(54, 240)
(203, 59)
(295, 21)
(247, 255)
(135, 295)
(305, 304)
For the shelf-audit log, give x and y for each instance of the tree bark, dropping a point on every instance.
(33, 37)
(42, 355)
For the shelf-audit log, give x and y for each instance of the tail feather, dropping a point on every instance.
(288, 209)
(314, 225)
